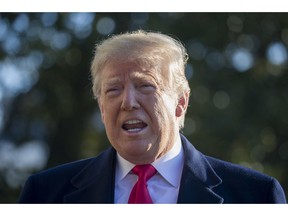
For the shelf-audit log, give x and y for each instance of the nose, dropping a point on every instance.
(129, 100)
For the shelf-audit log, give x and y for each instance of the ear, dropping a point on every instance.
(182, 105)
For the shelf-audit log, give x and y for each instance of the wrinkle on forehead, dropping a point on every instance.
(134, 70)
(146, 75)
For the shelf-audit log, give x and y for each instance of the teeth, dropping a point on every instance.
(134, 129)
(134, 125)
(133, 122)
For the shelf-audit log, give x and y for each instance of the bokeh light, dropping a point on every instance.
(105, 26)
(277, 53)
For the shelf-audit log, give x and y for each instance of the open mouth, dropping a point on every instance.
(134, 126)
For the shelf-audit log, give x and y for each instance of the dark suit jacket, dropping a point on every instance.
(204, 180)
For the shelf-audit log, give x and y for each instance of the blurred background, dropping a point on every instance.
(237, 72)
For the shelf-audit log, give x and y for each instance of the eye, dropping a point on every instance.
(147, 87)
(112, 91)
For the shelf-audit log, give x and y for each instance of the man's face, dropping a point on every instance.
(138, 109)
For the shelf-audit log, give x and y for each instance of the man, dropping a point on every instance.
(140, 85)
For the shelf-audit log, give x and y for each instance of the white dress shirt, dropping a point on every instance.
(163, 186)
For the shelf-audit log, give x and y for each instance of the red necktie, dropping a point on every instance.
(140, 193)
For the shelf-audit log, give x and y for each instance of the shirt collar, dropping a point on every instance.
(167, 165)
(123, 167)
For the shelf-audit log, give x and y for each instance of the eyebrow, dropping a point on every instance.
(138, 76)
(144, 76)
(112, 81)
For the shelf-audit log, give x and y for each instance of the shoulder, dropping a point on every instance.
(222, 168)
(227, 169)
(51, 185)
(239, 184)
(251, 184)
(70, 169)
(47, 186)
(61, 172)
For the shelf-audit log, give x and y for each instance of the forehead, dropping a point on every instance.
(117, 71)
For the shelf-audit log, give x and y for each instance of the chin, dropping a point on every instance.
(136, 148)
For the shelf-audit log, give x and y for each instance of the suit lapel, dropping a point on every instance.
(95, 183)
(198, 178)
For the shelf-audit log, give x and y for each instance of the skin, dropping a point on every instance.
(131, 91)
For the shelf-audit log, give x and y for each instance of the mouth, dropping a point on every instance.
(134, 126)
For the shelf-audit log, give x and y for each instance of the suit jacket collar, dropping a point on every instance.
(96, 182)
(198, 178)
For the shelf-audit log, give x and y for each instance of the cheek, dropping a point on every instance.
(103, 109)
(106, 113)
(165, 109)
(169, 103)
(102, 112)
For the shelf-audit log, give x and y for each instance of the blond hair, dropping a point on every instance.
(148, 48)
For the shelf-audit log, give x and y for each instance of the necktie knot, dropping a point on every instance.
(140, 193)
(144, 172)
